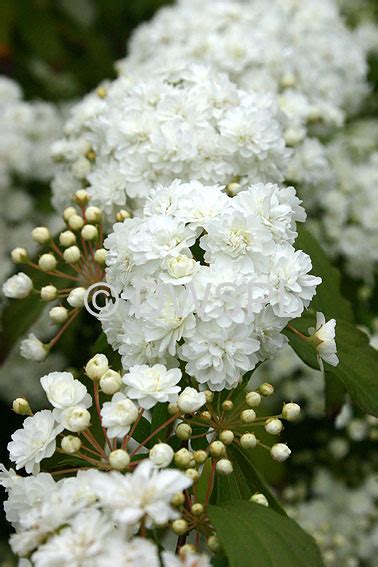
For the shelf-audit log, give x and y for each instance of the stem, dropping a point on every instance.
(162, 426)
(298, 333)
(93, 441)
(74, 314)
(98, 409)
(210, 483)
(130, 434)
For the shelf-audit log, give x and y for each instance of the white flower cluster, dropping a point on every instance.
(163, 124)
(207, 279)
(300, 50)
(91, 519)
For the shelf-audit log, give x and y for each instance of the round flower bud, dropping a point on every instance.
(200, 456)
(76, 222)
(217, 449)
(183, 458)
(273, 426)
(253, 399)
(190, 400)
(122, 215)
(266, 389)
(228, 405)
(291, 411)
(93, 214)
(47, 262)
(248, 441)
(70, 444)
(180, 266)
(67, 238)
(226, 437)
(76, 297)
(19, 255)
(21, 406)
(259, 498)
(81, 197)
(180, 527)
(72, 255)
(58, 314)
(119, 460)
(280, 452)
(96, 367)
(213, 544)
(75, 419)
(18, 286)
(68, 212)
(41, 235)
(161, 455)
(178, 499)
(209, 396)
(100, 256)
(224, 467)
(192, 474)
(184, 431)
(187, 549)
(89, 232)
(173, 408)
(110, 382)
(197, 509)
(49, 293)
(34, 349)
(248, 416)
(205, 416)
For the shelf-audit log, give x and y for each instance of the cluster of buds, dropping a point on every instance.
(71, 264)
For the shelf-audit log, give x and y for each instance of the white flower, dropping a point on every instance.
(63, 391)
(190, 560)
(150, 385)
(18, 286)
(76, 297)
(190, 401)
(161, 455)
(34, 442)
(118, 415)
(33, 349)
(75, 418)
(323, 338)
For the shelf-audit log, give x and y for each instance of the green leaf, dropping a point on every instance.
(328, 299)
(358, 366)
(244, 481)
(252, 534)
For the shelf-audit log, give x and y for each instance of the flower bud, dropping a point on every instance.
(187, 549)
(213, 544)
(161, 455)
(228, 405)
(67, 238)
(101, 92)
(76, 297)
(75, 419)
(81, 197)
(259, 498)
(224, 467)
(71, 444)
(89, 232)
(266, 389)
(192, 474)
(205, 416)
(197, 509)
(41, 235)
(75, 222)
(19, 255)
(173, 408)
(180, 266)
(68, 212)
(47, 262)
(21, 406)
(178, 499)
(248, 416)
(119, 459)
(280, 452)
(273, 426)
(183, 458)
(248, 441)
(200, 456)
(93, 214)
(18, 286)
(49, 293)
(110, 382)
(72, 255)
(209, 396)
(253, 399)
(184, 431)
(291, 411)
(226, 437)
(180, 527)
(190, 401)
(33, 349)
(58, 314)
(100, 256)
(122, 215)
(96, 367)
(233, 189)
(217, 449)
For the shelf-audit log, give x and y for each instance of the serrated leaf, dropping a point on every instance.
(252, 534)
